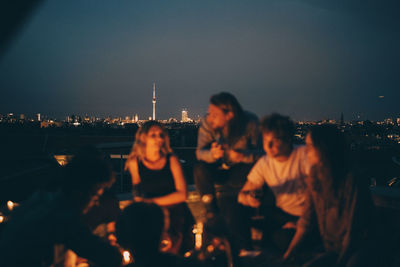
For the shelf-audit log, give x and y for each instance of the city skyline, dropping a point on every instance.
(308, 59)
(132, 118)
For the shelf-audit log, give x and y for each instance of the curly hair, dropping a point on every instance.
(282, 126)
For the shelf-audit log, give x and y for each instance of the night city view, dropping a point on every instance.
(199, 133)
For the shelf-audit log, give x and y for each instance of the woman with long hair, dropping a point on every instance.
(337, 201)
(157, 177)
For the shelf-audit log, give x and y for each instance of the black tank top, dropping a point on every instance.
(155, 183)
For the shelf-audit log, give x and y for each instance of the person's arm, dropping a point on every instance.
(255, 181)
(304, 225)
(205, 140)
(132, 166)
(180, 194)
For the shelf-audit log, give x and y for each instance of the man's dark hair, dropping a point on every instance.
(228, 103)
(282, 126)
(139, 228)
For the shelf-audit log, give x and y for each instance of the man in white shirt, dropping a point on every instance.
(283, 169)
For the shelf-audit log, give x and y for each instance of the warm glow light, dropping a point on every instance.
(63, 159)
(198, 235)
(1, 218)
(10, 205)
(127, 257)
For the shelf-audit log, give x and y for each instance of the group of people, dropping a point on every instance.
(310, 193)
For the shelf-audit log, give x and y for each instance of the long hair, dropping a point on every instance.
(334, 157)
(139, 145)
(228, 103)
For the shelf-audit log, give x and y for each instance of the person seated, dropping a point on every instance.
(46, 226)
(228, 145)
(157, 177)
(101, 218)
(283, 170)
(139, 230)
(338, 202)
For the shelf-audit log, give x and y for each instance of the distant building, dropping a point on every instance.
(22, 116)
(38, 117)
(389, 121)
(398, 121)
(184, 115)
(50, 123)
(136, 118)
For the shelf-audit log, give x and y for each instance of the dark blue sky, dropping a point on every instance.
(305, 59)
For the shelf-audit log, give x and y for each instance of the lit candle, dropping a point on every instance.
(10, 205)
(127, 257)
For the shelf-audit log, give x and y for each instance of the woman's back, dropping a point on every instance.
(344, 218)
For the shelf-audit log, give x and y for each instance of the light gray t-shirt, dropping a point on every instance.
(285, 179)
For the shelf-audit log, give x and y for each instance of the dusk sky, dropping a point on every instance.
(300, 58)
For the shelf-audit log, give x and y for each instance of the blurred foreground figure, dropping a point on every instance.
(338, 202)
(139, 229)
(49, 223)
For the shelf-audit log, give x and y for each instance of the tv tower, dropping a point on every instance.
(154, 101)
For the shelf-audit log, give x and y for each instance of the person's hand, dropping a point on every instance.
(138, 199)
(235, 156)
(112, 239)
(287, 255)
(290, 254)
(216, 150)
(289, 225)
(242, 198)
(248, 200)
